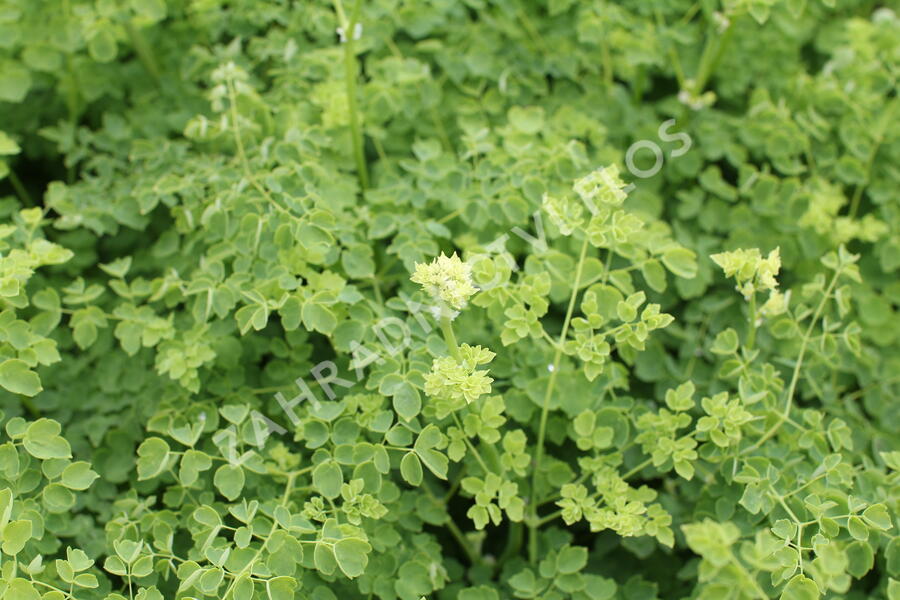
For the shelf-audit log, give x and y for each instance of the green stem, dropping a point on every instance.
(876, 144)
(242, 154)
(796, 374)
(751, 328)
(29, 405)
(606, 57)
(712, 54)
(750, 579)
(545, 409)
(513, 542)
(143, 51)
(470, 445)
(449, 337)
(455, 531)
(288, 488)
(351, 70)
(673, 55)
(23, 194)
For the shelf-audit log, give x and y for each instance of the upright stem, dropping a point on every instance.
(470, 445)
(792, 387)
(449, 337)
(17, 185)
(143, 51)
(751, 330)
(288, 488)
(545, 409)
(242, 154)
(455, 531)
(350, 73)
(712, 54)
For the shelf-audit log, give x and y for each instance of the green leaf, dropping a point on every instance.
(15, 535)
(16, 377)
(626, 312)
(323, 558)
(352, 555)
(857, 528)
(878, 516)
(42, 440)
(860, 558)
(243, 588)
(429, 437)
(252, 315)
(318, 317)
(893, 589)
(20, 589)
(102, 45)
(281, 588)
(78, 476)
(681, 261)
(152, 10)
(153, 458)
(15, 82)
(357, 261)
(327, 478)
(726, 342)
(127, 550)
(407, 401)
(436, 462)
(206, 515)
(411, 469)
(654, 274)
(800, 587)
(528, 120)
(8, 146)
(229, 480)
(571, 559)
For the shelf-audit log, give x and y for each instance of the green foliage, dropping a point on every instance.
(461, 300)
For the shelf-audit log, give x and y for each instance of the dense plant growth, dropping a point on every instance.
(474, 299)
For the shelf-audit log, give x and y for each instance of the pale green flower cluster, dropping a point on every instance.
(456, 380)
(603, 186)
(566, 213)
(601, 191)
(447, 279)
(754, 273)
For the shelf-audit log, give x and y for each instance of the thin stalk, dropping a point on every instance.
(712, 54)
(449, 337)
(143, 51)
(606, 58)
(470, 445)
(545, 409)
(21, 192)
(450, 216)
(792, 387)
(751, 329)
(455, 530)
(513, 542)
(351, 70)
(242, 154)
(288, 488)
(876, 144)
(673, 55)
(752, 580)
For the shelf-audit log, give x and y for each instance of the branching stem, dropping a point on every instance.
(792, 387)
(545, 409)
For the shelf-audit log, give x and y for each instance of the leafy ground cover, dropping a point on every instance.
(475, 299)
